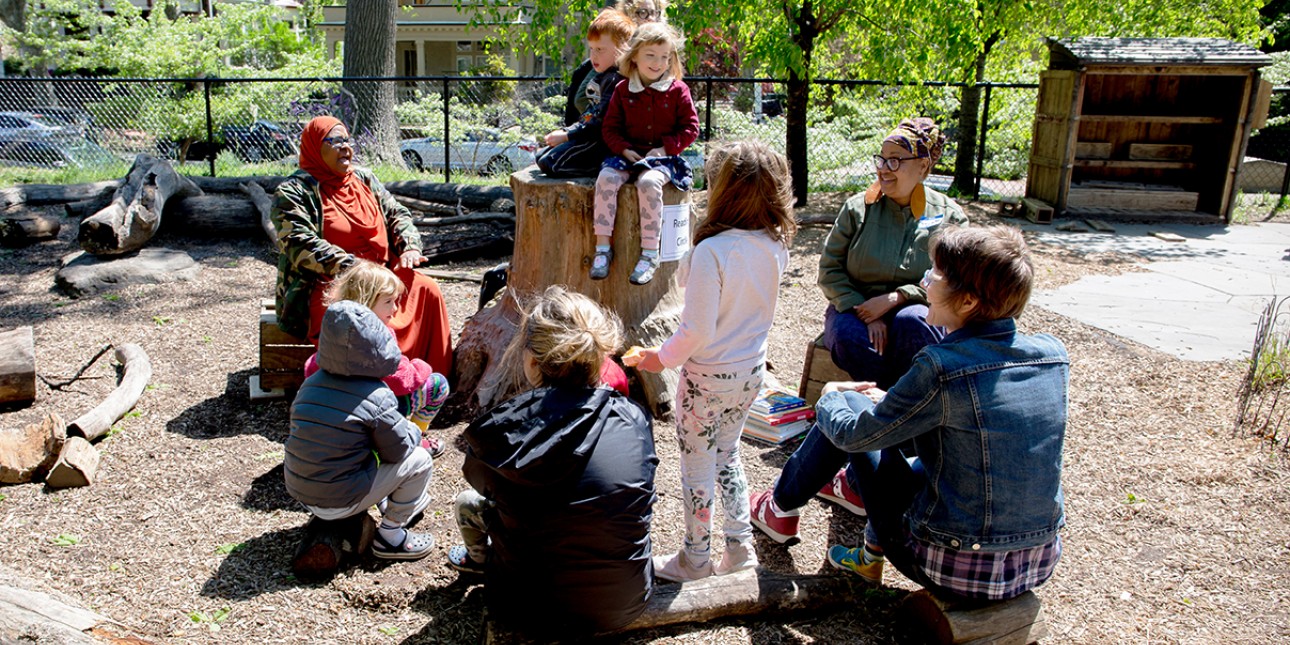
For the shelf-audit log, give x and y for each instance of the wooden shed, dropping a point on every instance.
(1145, 126)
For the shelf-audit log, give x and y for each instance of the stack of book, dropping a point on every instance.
(778, 416)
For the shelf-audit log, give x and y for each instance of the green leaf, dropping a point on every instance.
(389, 630)
(111, 297)
(160, 321)
(65, 539)
(225, 549)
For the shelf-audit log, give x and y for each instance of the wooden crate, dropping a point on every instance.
(282, 356)
(1037, 210)
(818, 370)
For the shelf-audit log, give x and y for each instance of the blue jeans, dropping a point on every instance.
(847, 338)
(885, 479)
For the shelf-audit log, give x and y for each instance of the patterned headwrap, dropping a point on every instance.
(919, 137)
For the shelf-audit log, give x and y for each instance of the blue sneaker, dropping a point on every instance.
(853, 560)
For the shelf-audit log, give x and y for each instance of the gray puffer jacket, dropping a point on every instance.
(344, 412)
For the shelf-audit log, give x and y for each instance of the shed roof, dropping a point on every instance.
(1217, 52)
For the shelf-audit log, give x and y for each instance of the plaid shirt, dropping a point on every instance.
(989, 576)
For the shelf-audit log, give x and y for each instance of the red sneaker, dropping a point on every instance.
(780, 526)
(839, 492)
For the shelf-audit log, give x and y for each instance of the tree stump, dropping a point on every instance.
(554, 244)
(17, 366)
(77, 465)
(22, 225)
(134, 215)
(1017, 621)
(27, 454)
(327, 544)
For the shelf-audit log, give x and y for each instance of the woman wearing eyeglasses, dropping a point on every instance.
(876, 255)
(331, 213)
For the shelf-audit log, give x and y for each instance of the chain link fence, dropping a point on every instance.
(494, 125)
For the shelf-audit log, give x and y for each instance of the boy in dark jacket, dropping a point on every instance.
(563, 482)
(577, 149)
(349, 447)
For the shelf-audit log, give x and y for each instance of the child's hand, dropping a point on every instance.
(632, 155)
(556, 137)
(850, 386)
(633, 355)
(656, 152)
(649, 361)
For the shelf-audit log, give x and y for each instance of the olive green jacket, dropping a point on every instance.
(879, 247)
(306, 257)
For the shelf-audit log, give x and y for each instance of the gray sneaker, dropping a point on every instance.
(644, 271)
(600, 264)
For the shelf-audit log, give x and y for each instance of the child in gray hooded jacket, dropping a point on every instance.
(349, 447)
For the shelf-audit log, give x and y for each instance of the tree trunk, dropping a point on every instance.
(134, 215)
(554, 244)
(27, 454)
(13, 14)
(799, 97)
(969, 116)
(369, 52)
(136, 372)
(264, 206)
(46, 194)
(77, 465)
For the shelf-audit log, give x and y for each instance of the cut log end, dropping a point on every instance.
(77, 465)
(328, 544)
(1018, 621)
(27, 454)
(17, 366)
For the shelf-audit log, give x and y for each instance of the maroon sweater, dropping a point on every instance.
(649, 119)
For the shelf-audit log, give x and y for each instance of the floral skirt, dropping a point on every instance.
(677, 169)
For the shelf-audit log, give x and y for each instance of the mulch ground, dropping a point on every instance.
(1177, 527)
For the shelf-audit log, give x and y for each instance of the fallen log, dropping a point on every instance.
(263, 205)
(472, 197)
(211, 216)
(427, 207)
(460, 276)
(745, 593)
(17, 366)
(135, 375)
(46, 194)
(86, 207)
(134, 215)
(449, 249)
(77, 465)
(1018, 621)
(505, 218)
(27, 454)
(25, 225)
(234, 184)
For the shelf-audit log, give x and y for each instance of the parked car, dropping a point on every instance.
(28, 126)
(55, 152)
(482, 152)
(260, 141)
(70, 118)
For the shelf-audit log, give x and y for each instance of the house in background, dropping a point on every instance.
(435, 39)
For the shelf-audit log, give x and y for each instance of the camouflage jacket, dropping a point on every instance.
(306, 257)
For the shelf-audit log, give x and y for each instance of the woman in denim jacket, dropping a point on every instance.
(976, 513)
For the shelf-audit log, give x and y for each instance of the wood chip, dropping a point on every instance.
(1169, 237)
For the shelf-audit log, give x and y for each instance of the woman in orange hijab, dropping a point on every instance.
(329, 214)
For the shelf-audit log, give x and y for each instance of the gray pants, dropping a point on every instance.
(470, 521)
(403, 484)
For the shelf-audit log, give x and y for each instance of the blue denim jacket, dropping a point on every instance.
(986, 409)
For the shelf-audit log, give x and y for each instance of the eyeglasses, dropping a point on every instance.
(929, 276)
(646, 14)
(339, 142)
(892, 163)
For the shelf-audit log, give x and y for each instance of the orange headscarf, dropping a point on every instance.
(352, 219)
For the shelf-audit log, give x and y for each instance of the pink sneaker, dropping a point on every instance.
(780, 526)
(839, 492)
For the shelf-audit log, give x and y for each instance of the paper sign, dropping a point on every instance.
(674, 233)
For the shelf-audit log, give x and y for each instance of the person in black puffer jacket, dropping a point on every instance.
(563, 482)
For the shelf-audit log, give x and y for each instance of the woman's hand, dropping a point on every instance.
(411, 258)
(878, 306)
(878, 336)
(656, 152)
(867, 388)
(632, 155)
(556, 137)
(871, 390)
(649, 361)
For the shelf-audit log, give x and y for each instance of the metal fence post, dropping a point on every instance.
(447, 130)
(980, 151)
(210, 125)
(707, 118)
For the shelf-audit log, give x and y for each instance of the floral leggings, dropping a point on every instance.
(713, 408)
(649, 190)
